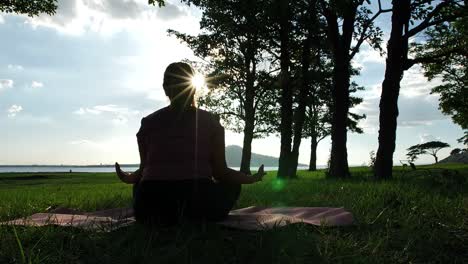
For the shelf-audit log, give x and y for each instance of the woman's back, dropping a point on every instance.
(177, 144)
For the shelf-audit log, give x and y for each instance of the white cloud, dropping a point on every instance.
(110, 108)
(423, 138)
(2, 20)
(170, 11)
(6, 83)
(421, 114)
(415, 84)
(81, 142)
(367, 55)
(106, 16)
(415, 123)
(36, 84)
(83, 111)
(87, 143)
(33, 120)
(115, 109)
(14, 110)
(120, 9)
(118, 115)
(417, 107)
(14, 67)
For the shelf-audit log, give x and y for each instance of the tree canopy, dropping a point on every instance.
(160, 3)
(464, 138)
(455, 151)
(445, 55)
(429, 148)
(29, 7)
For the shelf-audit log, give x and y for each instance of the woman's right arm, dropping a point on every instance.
(221, 171)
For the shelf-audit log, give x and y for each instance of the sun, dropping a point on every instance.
(198, 81)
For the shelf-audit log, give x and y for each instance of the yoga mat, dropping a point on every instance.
(250, 218)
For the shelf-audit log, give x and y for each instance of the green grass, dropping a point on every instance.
(418, 217)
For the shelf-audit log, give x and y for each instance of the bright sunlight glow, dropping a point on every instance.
(198, 81)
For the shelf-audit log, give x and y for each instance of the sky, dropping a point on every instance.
(74, 87)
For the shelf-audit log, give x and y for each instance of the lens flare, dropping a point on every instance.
(278, 185)
(198, 81)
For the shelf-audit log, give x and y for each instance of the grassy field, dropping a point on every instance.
(418, 217)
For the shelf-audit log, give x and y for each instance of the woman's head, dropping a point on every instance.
(178, 85)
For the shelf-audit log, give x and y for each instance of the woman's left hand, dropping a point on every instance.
(130, 178)
(260, 173)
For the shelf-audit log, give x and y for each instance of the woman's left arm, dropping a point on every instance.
(130, 178)
(134, 177)
(142, 150)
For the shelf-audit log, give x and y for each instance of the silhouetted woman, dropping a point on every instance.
(183, 172)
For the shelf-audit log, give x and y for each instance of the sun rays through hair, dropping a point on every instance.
(178, 84)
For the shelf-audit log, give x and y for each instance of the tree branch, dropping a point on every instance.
(427, 21)
(232, 114)
(364, 36)
(430, 59)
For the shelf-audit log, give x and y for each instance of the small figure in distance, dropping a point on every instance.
(183, 173)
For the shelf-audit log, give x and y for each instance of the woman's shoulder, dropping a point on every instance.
(209, 116)
(156, 114)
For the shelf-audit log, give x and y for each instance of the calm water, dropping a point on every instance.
(4, 169)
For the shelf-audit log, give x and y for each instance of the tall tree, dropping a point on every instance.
(284, 14)
(318, 123)
(405, 13)
(346, 21)
(310, 57)
(231, 44)
(30, 8)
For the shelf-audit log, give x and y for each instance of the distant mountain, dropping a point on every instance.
(461, 157)
(234, 154)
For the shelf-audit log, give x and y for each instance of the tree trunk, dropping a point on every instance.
(397, 55)
(250, 68)
(436, 159)
(340, 41)
(247, 148)
(313, 153)
(300, 113)
(340, 93)
(286, 92)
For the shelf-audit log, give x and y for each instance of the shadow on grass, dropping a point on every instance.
(189, 243)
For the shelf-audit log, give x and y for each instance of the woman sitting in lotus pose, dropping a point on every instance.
(183, 172)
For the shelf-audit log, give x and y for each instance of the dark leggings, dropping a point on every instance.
(170, 202)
